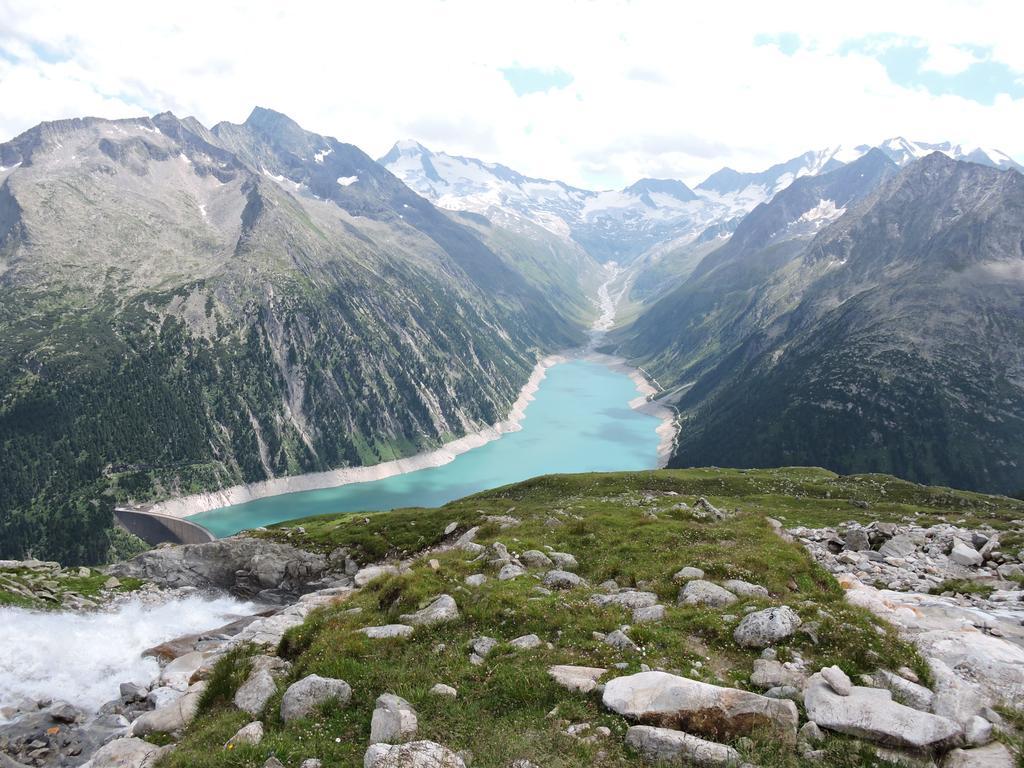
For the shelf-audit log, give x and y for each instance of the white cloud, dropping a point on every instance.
(949, 59)
(658, 88)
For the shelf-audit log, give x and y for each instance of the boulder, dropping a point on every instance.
(440, 689)
(394, 720)
(964, 554)
(688, 573)
(510, 571)
(663, 746)
(373, 572)
(700, 592)
(711, 711)
(563, 580)
(247, 734)
(129, 752)
(307, 694)
(619, 640)
(630, 599)
(415, 754)
(579, 679)
(252, 695)
(534, 558)
(564, 560)
(475, 580)
(856, 540)
(870, 713)
(526, 642)
(171, 717)
(977, 731)
(837, 680)
(442, 609)
(745, 588)
(905, 691)
(898, 546)
(993, 756)
(763, 628)
(386, 631)
(769, 673)
(482, 646)
(648, 613)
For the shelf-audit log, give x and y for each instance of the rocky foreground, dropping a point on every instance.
(581, 622)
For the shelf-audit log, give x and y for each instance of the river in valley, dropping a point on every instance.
(580, 420)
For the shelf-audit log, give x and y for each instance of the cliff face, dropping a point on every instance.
(890, 341)
(183, 309)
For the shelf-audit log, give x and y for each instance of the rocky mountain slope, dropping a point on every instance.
(672, 617)
(183, 308)
(891, 340)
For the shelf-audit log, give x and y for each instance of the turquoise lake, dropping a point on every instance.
(579, 421)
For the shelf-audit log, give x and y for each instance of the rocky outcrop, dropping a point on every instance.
(266, 570)
(671, 701)
(870, 713)
(663, 746)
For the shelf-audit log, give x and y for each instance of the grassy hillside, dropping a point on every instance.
(636, 528)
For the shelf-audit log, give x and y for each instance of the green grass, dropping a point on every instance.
(508, 708)
(87, 586)
(963, 587)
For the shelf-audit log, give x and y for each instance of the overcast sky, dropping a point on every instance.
(595, 94)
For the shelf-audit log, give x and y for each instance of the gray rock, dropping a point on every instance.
(663, 746)
(993, 756)
(311, 762)
(763, 628)
(769, 673)
(745, 588)
(856, 540)
(415, 754)
(475, 580)
(837, 680)
(394, 720)
(629, 599)
(619, 640)
(440, 689)
(563, 580)
(811, 733)
(62, 712)
(442, 609)
(172, 717)
(534, 558)
(526, 642)
(648, 613)
(564, 560)
(688, 573)
(247, 734)
(977, 731)
(482, 646)
(579, 679)
(898, 546)
(252, 695)
(790, 692)
(700, 592)
(374, 572)
(133, 692)
(129, 752)
(387, 631)
(905, 691)
(307, 694)
(510, 571)
(964, 554)
(870, 713)
(178, 673)
(711, 711)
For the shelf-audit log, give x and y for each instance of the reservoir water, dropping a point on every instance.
(579, 421)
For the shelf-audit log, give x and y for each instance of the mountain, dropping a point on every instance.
(183, 308)
(763, 185)
(892, 339)
(610, 225)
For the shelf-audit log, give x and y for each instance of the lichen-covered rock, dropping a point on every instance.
(663, 746)
(700, 592)
(415, 754)
(711, 711)
(763, 628)
(304, 696)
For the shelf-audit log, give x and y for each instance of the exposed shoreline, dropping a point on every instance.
(185, 506)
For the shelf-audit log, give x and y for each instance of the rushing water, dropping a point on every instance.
(83, 657)
(579, 421)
